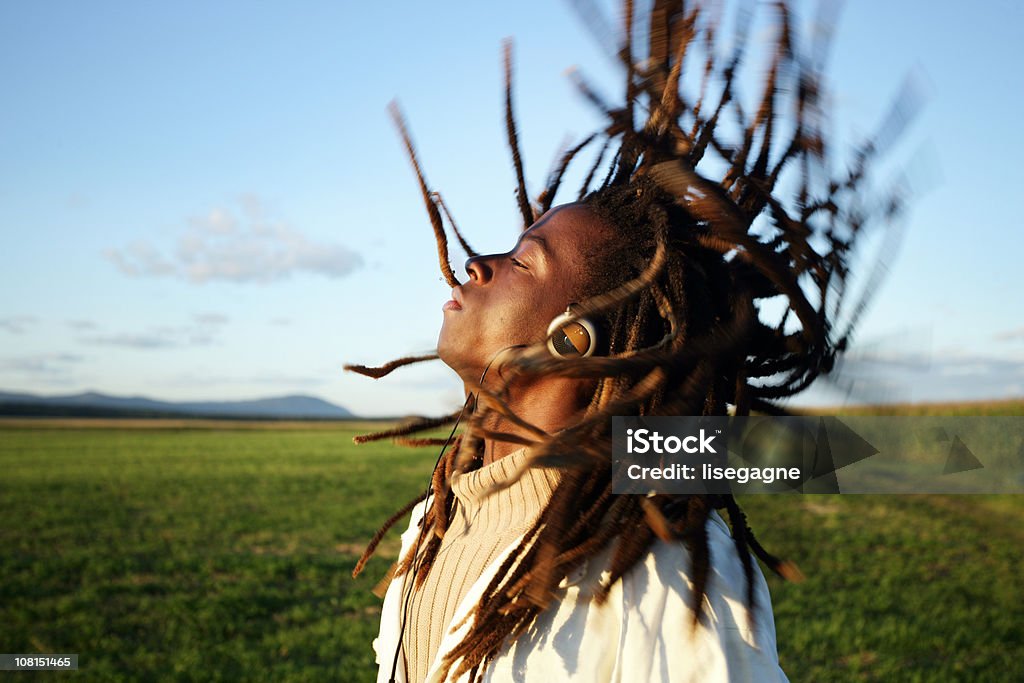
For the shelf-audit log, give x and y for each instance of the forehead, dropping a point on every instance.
(568, 230)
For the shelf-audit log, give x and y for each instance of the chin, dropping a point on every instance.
(466, 372)
(448, 352)
(455, 355)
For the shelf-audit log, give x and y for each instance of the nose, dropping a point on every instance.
(479, 270)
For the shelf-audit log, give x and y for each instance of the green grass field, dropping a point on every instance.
(220, 552)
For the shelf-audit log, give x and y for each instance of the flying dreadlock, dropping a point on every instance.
(680, 301)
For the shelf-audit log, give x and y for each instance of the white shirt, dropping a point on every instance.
(640, 634)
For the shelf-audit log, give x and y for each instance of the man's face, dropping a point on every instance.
(511, 298)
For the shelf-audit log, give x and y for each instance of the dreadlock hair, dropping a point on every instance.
(679, 296)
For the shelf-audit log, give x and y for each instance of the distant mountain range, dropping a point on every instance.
(93, 404)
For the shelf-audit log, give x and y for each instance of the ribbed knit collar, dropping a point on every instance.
(515, 507)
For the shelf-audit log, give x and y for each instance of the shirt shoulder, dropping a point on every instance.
(658, 640)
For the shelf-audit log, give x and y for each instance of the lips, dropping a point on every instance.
(455, 304)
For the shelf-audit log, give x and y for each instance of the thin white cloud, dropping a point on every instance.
(17, 324)
(203, 330)
(897, 377)
(285, 382)
(45, 365)
(1010, 335)
(947, 363)
(141, 259)
(212, 319)
(217, 222)
(236, 245)
(132, 341)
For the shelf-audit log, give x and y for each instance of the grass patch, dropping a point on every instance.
(173, 552)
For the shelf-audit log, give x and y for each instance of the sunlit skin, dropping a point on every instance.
(510, 299)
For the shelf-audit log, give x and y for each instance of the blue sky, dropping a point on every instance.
(208, 200)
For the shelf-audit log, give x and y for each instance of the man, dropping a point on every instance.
(637, 629)
(639, 299)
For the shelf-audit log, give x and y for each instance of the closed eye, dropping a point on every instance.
(517, 263)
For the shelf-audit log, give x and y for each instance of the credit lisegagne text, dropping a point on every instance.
(710, 472)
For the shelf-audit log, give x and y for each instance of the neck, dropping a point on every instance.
(550, 405)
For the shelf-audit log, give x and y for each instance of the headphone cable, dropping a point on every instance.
(417, 560)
